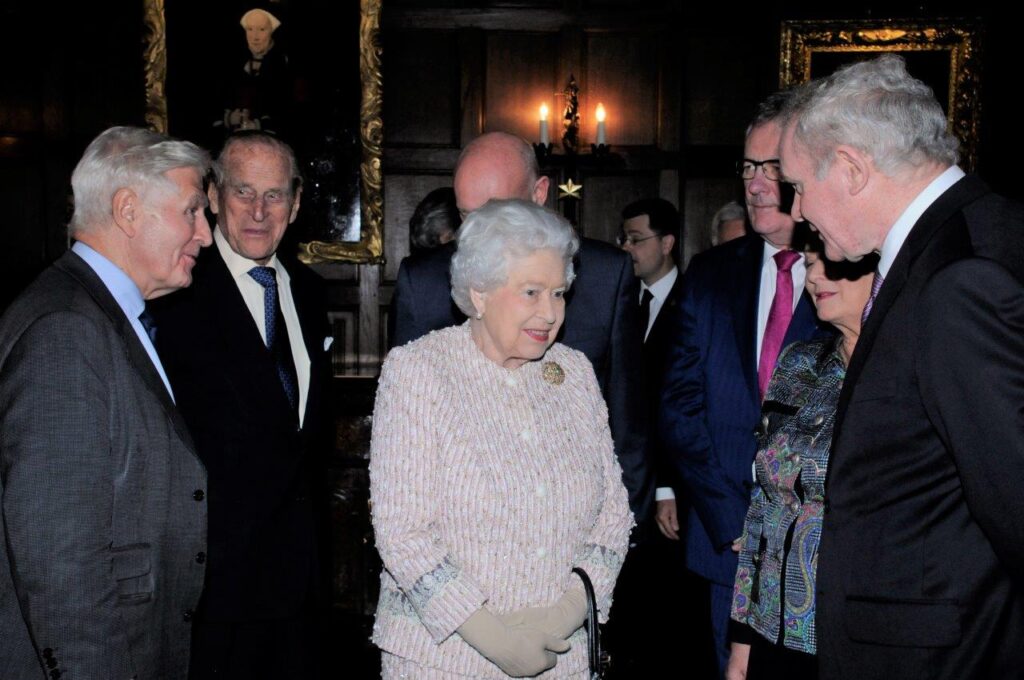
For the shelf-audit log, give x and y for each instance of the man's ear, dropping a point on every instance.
(214, 195)
(540, 190)
(126, 208)
(855, 168)
(667, 244)
(295, 205)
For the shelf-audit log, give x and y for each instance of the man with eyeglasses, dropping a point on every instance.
(743, 301)
(246, 353)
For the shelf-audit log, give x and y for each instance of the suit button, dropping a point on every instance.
(200, 557)
(51, 662)
(828, 506)
(48, 653)
(188, 615)
(198, 495)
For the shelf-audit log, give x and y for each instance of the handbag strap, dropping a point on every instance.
(597, 659)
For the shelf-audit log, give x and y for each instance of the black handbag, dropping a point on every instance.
(599, 659)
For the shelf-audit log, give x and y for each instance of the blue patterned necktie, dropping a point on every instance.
(277, 334)
(149, 324)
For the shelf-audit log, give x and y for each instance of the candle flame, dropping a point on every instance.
(543, 111)
(600, 113)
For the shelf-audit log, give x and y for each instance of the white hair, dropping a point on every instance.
(877, 107)
(728, 212)
(254, 13)
(126, 157)
(500, 232)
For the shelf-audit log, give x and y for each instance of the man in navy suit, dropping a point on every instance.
(600, 314)
(245, 351)
(647, 634)
(742, 302)
(922, 547)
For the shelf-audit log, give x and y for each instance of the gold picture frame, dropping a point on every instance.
(370, 246)
(944, 53)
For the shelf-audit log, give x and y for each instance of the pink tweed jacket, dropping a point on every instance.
(488, 485)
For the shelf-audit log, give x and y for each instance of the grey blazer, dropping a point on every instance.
(103, 532)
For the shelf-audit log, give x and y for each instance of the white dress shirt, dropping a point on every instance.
(660, 290)
(901, 229)
(769, 272)
(128, 297)
(252, 292)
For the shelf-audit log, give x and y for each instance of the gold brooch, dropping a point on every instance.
(553, 373)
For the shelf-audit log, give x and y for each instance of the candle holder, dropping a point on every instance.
(544, 153)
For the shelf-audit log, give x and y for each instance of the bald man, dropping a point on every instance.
(600, 317)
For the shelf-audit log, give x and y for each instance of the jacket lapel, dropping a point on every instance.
(76, 267)
(250, 363)
(967, 190)
(312, 326)
(743, 291)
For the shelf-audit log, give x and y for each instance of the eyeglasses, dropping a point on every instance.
(248, 195)
(631, 241)
(771, 168)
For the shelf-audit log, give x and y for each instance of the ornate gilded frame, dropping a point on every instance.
(370, 247)
(801, 40)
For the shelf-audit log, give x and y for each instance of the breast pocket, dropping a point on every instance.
(131, 568)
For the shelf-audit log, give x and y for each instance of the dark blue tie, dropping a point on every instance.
(148, 323)
(277, 334)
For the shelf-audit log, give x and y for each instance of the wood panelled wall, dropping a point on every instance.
(452, 74)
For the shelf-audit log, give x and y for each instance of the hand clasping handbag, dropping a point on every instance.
(599, 660)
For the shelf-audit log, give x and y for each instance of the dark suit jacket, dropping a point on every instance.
(710, 402)
(656, 350)
(103, 495)
(921, 564)
(265, 473)
(600, 321)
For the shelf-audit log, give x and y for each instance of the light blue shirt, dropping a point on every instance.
(128, 297)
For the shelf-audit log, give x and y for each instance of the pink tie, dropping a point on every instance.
(876, 285)
(778, 318)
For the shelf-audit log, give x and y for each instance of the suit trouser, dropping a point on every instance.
(721, 606)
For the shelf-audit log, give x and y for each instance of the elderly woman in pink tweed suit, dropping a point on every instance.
(492, 470)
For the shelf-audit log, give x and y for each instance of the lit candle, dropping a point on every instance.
(600, 124)
(544, 124)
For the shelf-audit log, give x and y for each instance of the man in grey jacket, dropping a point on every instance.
(103, 531)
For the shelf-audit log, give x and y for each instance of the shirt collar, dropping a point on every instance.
(770, 251)
(901, 229)
(663, 286)
(238, 265)
(121, 287)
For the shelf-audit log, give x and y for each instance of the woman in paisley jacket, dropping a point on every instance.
(773, 598)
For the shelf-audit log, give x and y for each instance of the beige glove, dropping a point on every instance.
(519, 651)
(560, 619)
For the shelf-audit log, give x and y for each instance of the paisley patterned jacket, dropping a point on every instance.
(779, 546)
